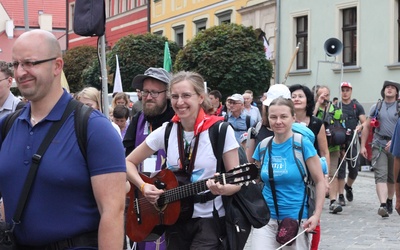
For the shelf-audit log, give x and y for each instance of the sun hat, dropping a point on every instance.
(392, 83)
(275, 91)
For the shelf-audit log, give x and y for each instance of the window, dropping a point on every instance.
(179, 35)
(302, 38)
(158, 33)
(349, 36)
(224, 17)
(109, 12)
(125, 6)
(117, 7)
(201, 24)
(141, 2)
(72, 16)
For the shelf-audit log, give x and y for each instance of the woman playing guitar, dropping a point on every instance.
(190, 157)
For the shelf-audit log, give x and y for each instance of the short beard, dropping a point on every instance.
(156, 110)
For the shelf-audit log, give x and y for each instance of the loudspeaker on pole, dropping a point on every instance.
(333, 47)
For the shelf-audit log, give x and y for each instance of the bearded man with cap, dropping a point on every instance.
(354, 117)
(382, 159)
(153, 86)
(237, 117)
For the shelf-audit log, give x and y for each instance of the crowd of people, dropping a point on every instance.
(78, 198)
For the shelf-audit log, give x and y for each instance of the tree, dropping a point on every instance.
(91, 76)
(76, 60)
(136, 53)
(229, 57)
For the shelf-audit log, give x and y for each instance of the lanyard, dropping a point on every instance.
(186, 156)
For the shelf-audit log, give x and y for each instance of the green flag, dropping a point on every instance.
(167, 58)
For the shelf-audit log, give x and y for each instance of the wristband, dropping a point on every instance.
(142, 186)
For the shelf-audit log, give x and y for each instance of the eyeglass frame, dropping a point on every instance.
(4, 79)
(153, 94)
(183, 96)
(234, 102)
(16, 64)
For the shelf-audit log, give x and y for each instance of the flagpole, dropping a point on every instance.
(291, 62)
(104, 86)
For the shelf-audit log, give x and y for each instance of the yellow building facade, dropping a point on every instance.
(181, 20)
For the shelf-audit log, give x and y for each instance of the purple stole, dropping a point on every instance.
(140, 137)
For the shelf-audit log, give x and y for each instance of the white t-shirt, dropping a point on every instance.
(204, 165)
(115, 126)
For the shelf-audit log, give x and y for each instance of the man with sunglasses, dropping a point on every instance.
(153, 86)
(8, 102)
(75, 201)
(237, 117)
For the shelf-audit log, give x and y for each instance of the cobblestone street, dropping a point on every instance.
(359, 226)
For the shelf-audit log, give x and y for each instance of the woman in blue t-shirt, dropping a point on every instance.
(289, 183)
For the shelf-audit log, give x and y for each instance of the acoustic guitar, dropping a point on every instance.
(142, 216)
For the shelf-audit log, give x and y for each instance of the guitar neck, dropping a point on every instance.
(182, 192)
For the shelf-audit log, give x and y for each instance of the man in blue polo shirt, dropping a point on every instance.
(237, 117)
(73, 202)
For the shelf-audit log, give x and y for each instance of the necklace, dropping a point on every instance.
(389, 105)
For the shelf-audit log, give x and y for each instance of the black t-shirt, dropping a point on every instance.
(351, 113)
(262, 134)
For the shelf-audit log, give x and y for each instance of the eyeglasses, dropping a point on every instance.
(29, 64)
(4, 79)
(233, 102)
(153, 94)
(184, 96)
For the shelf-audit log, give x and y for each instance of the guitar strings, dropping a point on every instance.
(178, 193)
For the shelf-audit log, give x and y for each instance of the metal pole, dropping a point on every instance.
(104, 86)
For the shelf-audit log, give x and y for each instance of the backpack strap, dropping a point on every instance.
(166, 135)
(247, 122)
(217, 134)
(299, 157)
(378, 107)
(81, 120)
(8, 122)
(263, 147)
(354, 102)
(398, 108)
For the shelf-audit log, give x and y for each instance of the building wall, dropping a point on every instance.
(50, 16)
(262, 14)
(120, 22)
(165, 15)
(377, 45)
